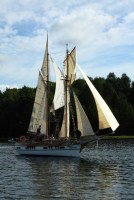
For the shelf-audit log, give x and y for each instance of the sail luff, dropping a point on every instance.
(109, 120)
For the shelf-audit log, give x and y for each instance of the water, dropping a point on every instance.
(106, 172)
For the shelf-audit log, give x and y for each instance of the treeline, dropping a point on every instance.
(16, 104)
(118, 94)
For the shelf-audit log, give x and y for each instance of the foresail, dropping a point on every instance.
(83, 123)
(103, 123)
(59, 91)
(38, 116)
(106, 117)
(63, 130)
(70, 61)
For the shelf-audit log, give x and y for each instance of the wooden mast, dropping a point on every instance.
(66, 94)
(47, 89)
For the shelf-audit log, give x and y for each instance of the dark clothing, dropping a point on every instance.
(38, 131)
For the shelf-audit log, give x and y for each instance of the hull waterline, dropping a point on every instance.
(64, 151)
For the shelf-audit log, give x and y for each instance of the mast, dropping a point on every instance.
(40, 112)
(47, 90)
(69, 77)
(66, 94)
(45, 72)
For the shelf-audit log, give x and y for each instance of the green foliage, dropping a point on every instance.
(15, 109)
(16, 104)
(118, 94)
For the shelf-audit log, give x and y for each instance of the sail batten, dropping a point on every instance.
(106, 117)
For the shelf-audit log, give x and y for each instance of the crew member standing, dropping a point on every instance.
(38, 132)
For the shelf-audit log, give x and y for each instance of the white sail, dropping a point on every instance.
(106, 117)
(58, 101)
(70, 64)
(64, 132)
(69, 74)
(44, 68)
(38, 115)
(83, 123)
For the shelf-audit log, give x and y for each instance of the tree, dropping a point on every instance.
(118, 92)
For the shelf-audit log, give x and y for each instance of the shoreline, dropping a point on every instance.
(121, 137)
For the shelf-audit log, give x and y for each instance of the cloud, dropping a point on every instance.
(14, 70)
(83, 21)
(102, 31)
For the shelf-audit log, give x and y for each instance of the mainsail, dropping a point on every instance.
(69, 77)
(70, 64)
(44, 68)
(106, 117)
(38, 116)
(83, 123)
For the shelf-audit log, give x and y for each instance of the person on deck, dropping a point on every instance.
(38, 132)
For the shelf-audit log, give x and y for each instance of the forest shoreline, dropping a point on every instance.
(121, 137)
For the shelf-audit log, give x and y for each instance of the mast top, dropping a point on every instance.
(67, 47)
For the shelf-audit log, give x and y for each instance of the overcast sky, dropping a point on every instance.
(101, 30)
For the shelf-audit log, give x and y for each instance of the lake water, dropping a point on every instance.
(106, 172)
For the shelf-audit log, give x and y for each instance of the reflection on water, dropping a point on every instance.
(106, 172)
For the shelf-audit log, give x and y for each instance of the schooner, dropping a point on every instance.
(63, 145)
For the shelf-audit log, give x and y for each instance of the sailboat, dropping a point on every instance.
(63, 144)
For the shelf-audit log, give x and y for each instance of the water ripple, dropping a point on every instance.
(106, 172)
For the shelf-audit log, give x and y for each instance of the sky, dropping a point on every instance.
(101, 30)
